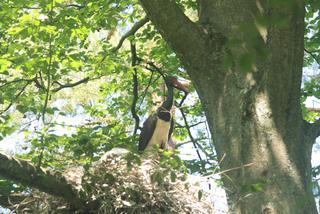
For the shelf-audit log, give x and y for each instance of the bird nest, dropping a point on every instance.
(119, 186)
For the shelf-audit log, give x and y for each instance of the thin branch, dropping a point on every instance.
(38, 84)
(14, 81)
(15, 98)
(135, 88)
(183, 99)
(156, 68)
(190, 126)
(22, 171)
(45, 105)
(70, 85)
(234, 168)
(311, 53)
(146, 89)
(131, 32)
(78, 6)
(189, 141)
(190, 134)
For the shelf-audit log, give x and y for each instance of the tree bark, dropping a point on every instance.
(23, 172)
(253, 112)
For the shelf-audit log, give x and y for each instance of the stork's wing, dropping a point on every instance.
(147, 131)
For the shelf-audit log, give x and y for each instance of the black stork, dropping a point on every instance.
(157, 129)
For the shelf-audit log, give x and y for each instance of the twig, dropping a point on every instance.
(14, 81)
(190, 134)
(190, 126)
(235, 168)
(135, 87)
(78, 6)
(189, 141)
(150, 82)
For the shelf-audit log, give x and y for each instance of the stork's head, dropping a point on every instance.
(174, 82)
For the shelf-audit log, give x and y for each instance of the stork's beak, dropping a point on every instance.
(183, 85)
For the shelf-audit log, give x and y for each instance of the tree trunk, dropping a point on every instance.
(247, 70)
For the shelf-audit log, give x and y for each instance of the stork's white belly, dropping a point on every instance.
(160, 134)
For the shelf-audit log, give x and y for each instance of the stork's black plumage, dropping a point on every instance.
(157, 129)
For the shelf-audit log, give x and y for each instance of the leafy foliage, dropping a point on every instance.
(69, 92)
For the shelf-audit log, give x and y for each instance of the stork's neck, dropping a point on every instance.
(167, 104)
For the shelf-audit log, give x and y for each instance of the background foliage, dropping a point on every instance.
(67, 82)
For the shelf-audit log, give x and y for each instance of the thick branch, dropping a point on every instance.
(312, 129)
(315, 127)
(21, 171)
(184, 36)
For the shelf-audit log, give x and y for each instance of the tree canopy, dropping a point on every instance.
(78, 78)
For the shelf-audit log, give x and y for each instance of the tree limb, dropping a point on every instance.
(135, 88)
(48, 70)
(146, 89)
(22, 171)
(179, 126)
(5, 83)
(189, 133)
(131, 32)
(185, 37)
(70, 85)
(312, 129)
